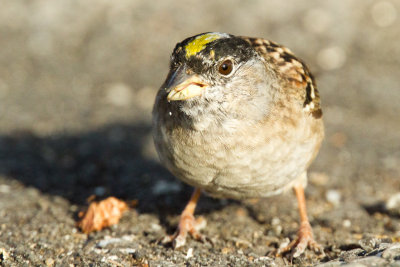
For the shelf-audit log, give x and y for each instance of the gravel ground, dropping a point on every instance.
(77, 82)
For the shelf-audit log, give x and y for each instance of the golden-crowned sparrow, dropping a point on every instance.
(238, 117)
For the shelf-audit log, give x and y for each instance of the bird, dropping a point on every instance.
(238, 117)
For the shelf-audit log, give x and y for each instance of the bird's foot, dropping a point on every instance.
(187, 224)
(305, 238)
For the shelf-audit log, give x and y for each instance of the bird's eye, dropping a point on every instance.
(226, 67)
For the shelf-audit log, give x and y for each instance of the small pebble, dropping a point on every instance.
(330, 264)
(113, 258)
(189, 253)
(155, 227)
(226, 250)
(138, 256)
(108, 240)
(49, 262)
(393, 203)
(4, 188)
(346, 223)
(100, 191)
(285, 243)
(100, 250)
(163, 187)
(263, 258)
(333, 197)
(275, 221)
(4, 254)
(278, 230)
(369, 243)
(392, 252)
(350, 255)
(241, 243)
(127, 250)
(368, 261)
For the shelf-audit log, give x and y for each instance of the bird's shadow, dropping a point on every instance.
(110, 160)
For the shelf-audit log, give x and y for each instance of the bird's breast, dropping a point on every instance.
(254, 161)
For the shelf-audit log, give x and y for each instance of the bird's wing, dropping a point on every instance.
(292, 70)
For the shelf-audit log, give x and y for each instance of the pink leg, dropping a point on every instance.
(187, 224)
(305, 237)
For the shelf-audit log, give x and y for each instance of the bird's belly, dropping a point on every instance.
(245, 168)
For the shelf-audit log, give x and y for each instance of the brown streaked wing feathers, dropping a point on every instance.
(291, 69)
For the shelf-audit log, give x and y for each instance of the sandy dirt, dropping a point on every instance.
(77, 83)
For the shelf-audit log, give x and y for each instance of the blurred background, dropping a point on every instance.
(74, 65)
(78, 80)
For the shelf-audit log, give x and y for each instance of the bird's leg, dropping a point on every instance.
(187, 223)
(305, 237)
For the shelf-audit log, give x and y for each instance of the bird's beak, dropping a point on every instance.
(182, 86)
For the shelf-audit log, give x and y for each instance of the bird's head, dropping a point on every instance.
(219, 74)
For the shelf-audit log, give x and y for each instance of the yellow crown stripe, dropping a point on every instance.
(200, 42)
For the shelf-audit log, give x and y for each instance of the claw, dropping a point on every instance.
(187, 224)
(304, 239)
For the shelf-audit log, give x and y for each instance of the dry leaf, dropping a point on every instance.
(102, 214)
